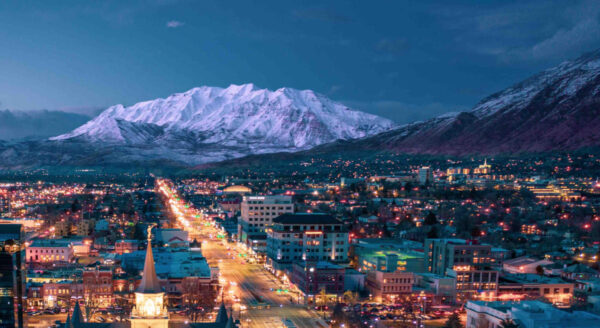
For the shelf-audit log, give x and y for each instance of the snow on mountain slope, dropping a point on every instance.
(557, 109)
(564, 81)
(237, 115)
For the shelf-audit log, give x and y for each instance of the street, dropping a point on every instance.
(249, 289)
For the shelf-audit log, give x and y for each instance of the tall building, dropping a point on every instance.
(12, 276)
(425, 175)
(465, 260)
(306, 237)
(258, 213)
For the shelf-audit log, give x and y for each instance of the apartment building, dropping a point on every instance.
(257, 213)
(306, 237)
(468, 262)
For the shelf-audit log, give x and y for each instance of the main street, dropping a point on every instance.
(249, 289)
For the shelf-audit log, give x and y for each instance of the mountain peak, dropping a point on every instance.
(241, 117)
(241, 88)
(556, 109)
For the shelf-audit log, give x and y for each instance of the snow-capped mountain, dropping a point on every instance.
(557, 109)
(209, 123)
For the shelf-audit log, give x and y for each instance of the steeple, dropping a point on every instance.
(77, 317)
(222, 314)
(150, 283)
(229, 323)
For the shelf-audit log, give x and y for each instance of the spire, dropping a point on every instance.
(229, 323)
(222, 315)
(77, 316)
(149, 282)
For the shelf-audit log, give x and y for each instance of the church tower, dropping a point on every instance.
(150, 310)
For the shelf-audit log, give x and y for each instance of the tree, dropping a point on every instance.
(408, 187)
(509, 323)
(430, 219)
(323, 296)
(349, 297)
(75, 206)
(453, 322)
(539, 270)
(433, 233)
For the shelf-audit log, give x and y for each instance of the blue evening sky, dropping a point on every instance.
(405, 60)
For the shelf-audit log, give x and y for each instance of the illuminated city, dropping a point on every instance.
(299, 164)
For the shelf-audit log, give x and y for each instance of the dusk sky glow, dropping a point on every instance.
(402, 60)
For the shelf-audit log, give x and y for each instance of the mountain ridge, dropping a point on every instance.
(556, 109)
(285, 117)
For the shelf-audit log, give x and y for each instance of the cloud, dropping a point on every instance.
(114, 12)
(395, 45)
(91, 111)
(174, 24)
(334, 89)
(579, 38)
(389, 49)
(525, 31)
(402, 112)
(321, 14)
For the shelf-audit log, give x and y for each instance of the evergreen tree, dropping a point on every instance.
(453, 322)
(430, 219)
(539, 270)
(433, 233)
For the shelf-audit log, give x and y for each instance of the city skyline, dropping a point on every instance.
(299, 164)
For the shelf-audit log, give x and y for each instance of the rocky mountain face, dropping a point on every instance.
(202, 125)
(558, 109)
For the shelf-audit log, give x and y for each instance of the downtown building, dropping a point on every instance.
(308, 237)
(50, 252)
(12, 276)
(468, 262)
(390, 266)
(526, 314)
(257, 214)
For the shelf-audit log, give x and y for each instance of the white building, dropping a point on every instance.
(173, 237)
(523, 264)
(306, 237)
(49, 251)
(528, 314)
(257, 213)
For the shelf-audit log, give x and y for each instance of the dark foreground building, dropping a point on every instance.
(12, 276)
